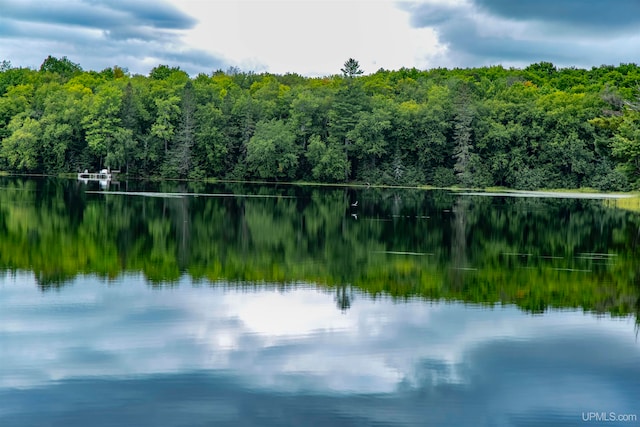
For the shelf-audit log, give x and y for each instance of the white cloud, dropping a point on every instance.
(310, 37)
(313, 37)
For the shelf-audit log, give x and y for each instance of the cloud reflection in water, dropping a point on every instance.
(268, 342)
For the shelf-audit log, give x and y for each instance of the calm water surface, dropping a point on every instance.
(267, 306)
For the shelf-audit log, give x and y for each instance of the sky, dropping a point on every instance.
(316, 37)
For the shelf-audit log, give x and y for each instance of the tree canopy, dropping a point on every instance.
(537, 127)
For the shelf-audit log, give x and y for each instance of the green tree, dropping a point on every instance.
(242, 116)
(63, 135)
(16, 100)
(351, 68)
(370, 135)
(349, 101)
(541, 126)
(272, 98)
(626, 144)
(272, 152)
(180, 161)
(463, 139)
(163, 128)
(63, 67)
(328, 163)
(21, 148)
(103, 127)
(310, 113)
(135, 118)
(164, 72)
(210, 150)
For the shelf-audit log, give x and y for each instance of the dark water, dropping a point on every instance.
(287, 306)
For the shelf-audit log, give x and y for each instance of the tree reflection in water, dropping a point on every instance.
(533, 252)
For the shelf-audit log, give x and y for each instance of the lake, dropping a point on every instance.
(174, 304)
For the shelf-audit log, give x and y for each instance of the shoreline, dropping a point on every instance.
(560, 193)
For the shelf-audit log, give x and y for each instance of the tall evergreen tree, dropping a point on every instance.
(351, 68)
(462, 135)
(181, 160)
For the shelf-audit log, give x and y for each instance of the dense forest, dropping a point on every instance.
(537, 127)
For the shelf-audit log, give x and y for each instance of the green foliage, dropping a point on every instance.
(370, 134)
(540, 127)
(351, 68)
(102, 124)
(21, 148)
(62, 67)
(328, 163)
(162, 131)
(626, 144)
(607, 178)
(5, 66)
(179, 163)
(462, 138)
(14, 102)
(164, 72)
(271, 151)
(444, 177)
(210, 149)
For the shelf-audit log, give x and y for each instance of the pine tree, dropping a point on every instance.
(462, 136)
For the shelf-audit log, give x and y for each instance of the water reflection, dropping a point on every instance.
(535, 253)
(108, 353)
(266, 305)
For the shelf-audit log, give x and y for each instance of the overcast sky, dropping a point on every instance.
(315, 37)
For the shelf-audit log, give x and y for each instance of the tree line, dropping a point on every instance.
(536, 127)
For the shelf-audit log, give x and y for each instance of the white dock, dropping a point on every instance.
(95, 176)
(105, 176)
